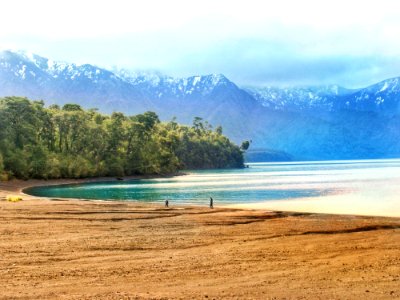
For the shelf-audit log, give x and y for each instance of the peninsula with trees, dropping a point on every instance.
(70, 142)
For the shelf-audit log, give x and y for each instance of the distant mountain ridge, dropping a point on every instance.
(299, 98)
(326, 122)
(381, 97)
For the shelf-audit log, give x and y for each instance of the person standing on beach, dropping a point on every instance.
(166, 203)
(211, 202)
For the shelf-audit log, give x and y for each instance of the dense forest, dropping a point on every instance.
(70, 142)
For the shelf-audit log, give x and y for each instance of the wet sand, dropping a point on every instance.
(72, 249)
(349, 204)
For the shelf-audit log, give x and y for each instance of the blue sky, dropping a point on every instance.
(285, 43)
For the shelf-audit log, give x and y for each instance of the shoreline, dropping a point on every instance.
(19, 185)
(330, 205)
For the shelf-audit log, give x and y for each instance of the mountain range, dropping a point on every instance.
(296, 123)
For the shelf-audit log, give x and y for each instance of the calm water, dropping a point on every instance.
(258, 183)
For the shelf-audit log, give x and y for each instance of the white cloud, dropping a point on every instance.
(195, 36)
(77, 18)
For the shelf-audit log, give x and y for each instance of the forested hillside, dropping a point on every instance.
(70, 142)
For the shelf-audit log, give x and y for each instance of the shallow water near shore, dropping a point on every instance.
(260, 182)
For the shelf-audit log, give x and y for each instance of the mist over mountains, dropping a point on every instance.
(300, 123)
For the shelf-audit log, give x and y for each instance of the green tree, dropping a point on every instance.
(245, 145)
(40, 142)
(38, 158)
(1, 164)
(72, 107)
(20, 121)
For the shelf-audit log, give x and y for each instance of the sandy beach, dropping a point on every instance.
(71, 249)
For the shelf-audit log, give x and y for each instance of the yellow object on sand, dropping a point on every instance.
(14, 198)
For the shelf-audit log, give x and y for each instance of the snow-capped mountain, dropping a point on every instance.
(27, 67)
(34, 76)
(299, 98)
(31, 75)
(381, 97)
(158, 86)
(328, 122)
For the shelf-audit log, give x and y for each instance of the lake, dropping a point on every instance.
(259, 183)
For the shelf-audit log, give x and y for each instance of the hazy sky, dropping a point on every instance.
(351, 43)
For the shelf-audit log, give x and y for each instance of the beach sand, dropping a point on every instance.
(71, 249)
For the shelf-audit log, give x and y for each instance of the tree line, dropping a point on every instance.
(70, 142)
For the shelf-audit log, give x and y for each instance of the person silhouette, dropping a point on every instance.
(211, 202)
(166, 203)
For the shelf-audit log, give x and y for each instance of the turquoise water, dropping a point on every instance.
(258, 183)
